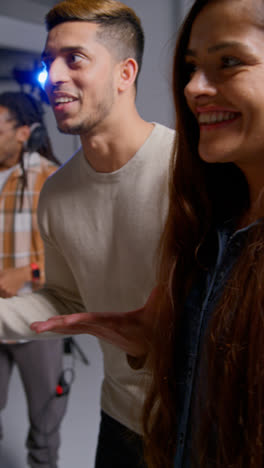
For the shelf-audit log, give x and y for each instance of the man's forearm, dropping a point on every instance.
(17, 313)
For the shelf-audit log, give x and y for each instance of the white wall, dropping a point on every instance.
(154, 98)
(28, 10)
(160, 19)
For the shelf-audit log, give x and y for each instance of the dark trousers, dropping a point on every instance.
(40, 366)
(118, 446)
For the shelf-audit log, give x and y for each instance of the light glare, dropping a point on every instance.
(42, 77)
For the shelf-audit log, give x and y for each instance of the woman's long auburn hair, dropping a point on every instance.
(202, 196)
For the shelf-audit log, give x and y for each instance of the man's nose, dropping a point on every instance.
(58, 72)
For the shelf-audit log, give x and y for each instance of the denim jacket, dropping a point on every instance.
(198, 310)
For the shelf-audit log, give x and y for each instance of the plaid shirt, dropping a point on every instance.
(20, 241)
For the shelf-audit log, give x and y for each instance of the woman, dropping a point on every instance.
(206, 405)
(208, 372)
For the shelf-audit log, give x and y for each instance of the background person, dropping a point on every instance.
(26, 161)
(101, 214)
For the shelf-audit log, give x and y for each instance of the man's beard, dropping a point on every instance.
(87, 125)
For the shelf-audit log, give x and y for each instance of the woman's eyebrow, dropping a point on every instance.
(216, 47)
(225, 45)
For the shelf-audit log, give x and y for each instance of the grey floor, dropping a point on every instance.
(80, 425)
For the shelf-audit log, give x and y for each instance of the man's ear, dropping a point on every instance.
(127, 74)
(23, 133)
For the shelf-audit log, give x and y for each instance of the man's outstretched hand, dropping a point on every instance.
(130, 331)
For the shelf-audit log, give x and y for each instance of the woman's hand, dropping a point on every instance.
(130, 331)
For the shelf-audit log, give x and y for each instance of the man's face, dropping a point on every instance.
(10, 142)
(81, 78)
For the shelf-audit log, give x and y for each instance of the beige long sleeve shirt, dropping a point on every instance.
(101, 233)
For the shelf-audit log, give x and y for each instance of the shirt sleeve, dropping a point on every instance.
(59, 296)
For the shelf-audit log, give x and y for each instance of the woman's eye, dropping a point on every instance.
(190, 69)
(228, 62)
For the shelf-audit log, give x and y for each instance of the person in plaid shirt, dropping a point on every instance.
(26, 161)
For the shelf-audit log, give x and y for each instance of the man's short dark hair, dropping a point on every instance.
(120, 28)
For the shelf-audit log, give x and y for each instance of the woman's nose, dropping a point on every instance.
(199, 85)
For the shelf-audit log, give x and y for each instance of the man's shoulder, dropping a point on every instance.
(65, 173)
(162, 137)
(164, 130)
(159, 145)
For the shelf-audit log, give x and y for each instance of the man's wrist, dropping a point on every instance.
(24, 272)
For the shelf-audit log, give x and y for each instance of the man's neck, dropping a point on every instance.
(110, 150)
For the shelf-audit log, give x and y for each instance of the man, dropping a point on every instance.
(26, 161)
(101, 215)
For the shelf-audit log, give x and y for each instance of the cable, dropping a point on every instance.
(70, 345)
(65, 381)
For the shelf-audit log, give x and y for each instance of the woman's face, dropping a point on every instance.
(225, 91)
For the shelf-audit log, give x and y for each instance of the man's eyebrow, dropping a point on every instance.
(63, 50)
(215, 48)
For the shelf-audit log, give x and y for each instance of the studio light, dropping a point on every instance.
(33, 78)
(42, 77)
